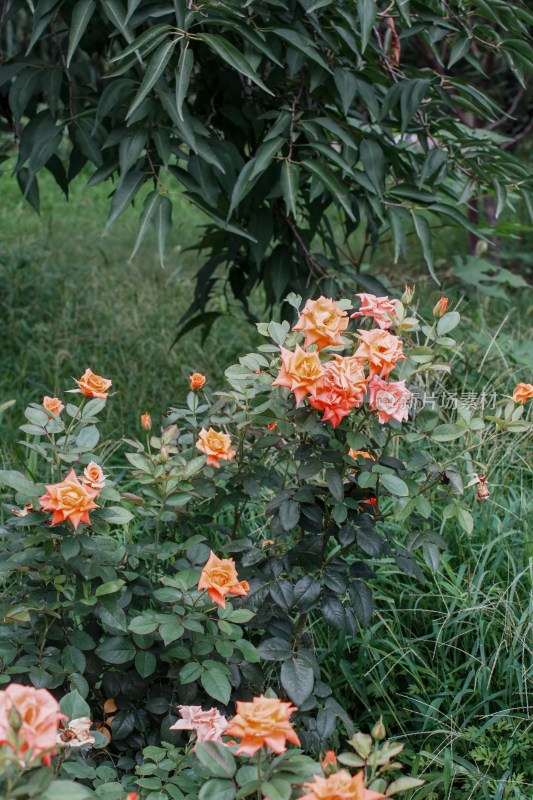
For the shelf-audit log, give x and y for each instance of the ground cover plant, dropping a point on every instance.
(262, 517)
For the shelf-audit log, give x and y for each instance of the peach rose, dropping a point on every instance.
(197, 380)
(220, 578)
(146, 421)
(39, 717)
(440, 308)
(300, 372)
(381, 349)
(340, 389)
(53, 404)
(208, 725)
(263, 721)
(215, 445)
(93, 476)
(381, 309)
(93, 385)
(69, 499)
(522, 392)
(390, 400)
(323, 322)
(364, 453)
(340, 786)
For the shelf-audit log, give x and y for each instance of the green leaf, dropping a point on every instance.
(143, 625)
(248, 650)
(363, 605)
(81, 15)
(395, 485)
(403, 784)
(448, 322)
(145, 663)
(116, 515)
(183, 75)
(217, 789)
(142, 41)
(116, 650)
(117, 16)
(373, 161)
(289, 180)
(335, 486)
(289, 514)
(423, 231)
(19, 482)
(190, 672)
(233, 57)
(163, 224)
(265, 154)
(216, 758)
(124, 194)
(330, 182)
(297, 680)
(155, 69)
(150, 206)
(110, 587)
(65, 790)
(305, 46)
(447, 433)
(74, 706)
(346, 85)
(413, 92)
(367, 11)
(216, 685)
(306, 593)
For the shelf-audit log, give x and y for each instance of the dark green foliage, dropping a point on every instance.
(269, 114)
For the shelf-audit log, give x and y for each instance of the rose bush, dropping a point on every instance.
(196, 573)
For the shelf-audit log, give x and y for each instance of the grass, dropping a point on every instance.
(71, 298)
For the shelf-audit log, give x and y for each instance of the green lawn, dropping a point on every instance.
(72, 299)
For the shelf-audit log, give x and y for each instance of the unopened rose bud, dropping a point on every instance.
(329, 761)
(408, 295)
(146, 421)
(197, 380)
(164, 455)
(378, 731)
(440, 308)
(131, 796)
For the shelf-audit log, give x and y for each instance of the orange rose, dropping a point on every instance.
(340, 389)
(220, 578)
(300, 372)
(93, 385)
(263, 721)
(340, 786)
(131, 796)
(522, 392)
(440, 308)
(146, 421)
(323, 323)
(53, 404)
(197, 380)
(381, 349)
(381, 309)
(93, 476)
(69, 499)
(215, 445)
(39, 717)
(354, 453)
